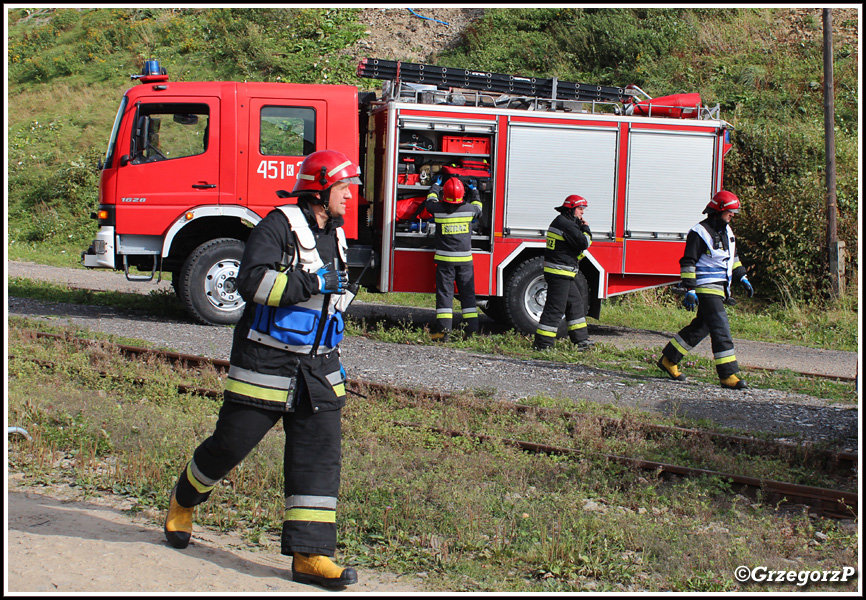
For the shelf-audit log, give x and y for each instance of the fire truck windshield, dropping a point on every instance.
(112, 140)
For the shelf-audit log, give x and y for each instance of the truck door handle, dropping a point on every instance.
(203, 186)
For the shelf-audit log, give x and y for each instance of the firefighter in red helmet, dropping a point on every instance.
(453, 219)
(708, 266)
(285, 366)
(568, 237)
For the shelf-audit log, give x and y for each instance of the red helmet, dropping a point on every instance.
(322, 169)
(723, 201)
(453, 191)
(572, 202)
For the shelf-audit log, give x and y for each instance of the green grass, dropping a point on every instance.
(157, 302)
(452, 514)
(832, 325)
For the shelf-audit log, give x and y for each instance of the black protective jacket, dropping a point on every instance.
(566, 242)
(265, 376)
(453, 225)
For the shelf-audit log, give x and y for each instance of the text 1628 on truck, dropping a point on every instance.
(191, 167)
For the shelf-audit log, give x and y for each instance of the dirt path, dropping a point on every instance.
(60, 542)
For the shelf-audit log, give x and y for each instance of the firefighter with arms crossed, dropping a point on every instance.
(285, 365)
(453, 256)
(708, 266)
(568, 236)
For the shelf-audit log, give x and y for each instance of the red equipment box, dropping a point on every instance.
(408, 179)
(466, 145)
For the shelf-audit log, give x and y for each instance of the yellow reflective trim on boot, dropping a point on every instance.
(198, 485)
(321, 570)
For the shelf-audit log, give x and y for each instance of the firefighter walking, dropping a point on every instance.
(453, 256)
(708, 266)
(285, 365)
(568, 236)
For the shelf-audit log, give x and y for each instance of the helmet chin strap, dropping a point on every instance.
(325, 198)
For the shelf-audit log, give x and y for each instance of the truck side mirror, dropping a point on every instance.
(124, 160)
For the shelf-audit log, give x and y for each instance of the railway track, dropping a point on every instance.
(829, 503)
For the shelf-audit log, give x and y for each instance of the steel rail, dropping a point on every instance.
(830, 503)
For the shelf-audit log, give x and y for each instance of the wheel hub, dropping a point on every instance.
(536, 295)
(221, 287)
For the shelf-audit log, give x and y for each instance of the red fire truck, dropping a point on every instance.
(192, 166)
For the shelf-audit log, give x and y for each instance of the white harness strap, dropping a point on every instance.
(305, 252)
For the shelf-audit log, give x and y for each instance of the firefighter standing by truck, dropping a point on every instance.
(453, 253)
(285, 365)
(708, 266)
(568, 236)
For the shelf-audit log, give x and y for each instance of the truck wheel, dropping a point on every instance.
(209, 282)
(525, 293)
(176, 284)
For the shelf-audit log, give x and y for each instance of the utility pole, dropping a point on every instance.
(834, 249)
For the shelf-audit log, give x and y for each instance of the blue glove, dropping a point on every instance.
(438, 180)
(343, 372)
(691, 300)
(471, 184)
(332, 282)
(750, 291)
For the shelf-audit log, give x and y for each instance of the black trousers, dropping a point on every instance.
(563, 298)
(311, 465)
(712, 320)
(463, 274)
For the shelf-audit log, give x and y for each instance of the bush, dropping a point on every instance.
(571, 44)
(59, 206)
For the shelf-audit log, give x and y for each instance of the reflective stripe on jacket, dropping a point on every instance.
(566, 244)
(453, 226)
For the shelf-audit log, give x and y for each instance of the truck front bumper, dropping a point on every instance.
(100, 255)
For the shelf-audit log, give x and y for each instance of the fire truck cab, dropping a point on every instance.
(192, 166)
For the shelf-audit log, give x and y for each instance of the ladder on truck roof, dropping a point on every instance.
(499, 83)
(546, 94)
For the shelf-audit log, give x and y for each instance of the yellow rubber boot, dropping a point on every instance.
(732, 382)
(320, 570)
(178, 523)
(671, 369)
